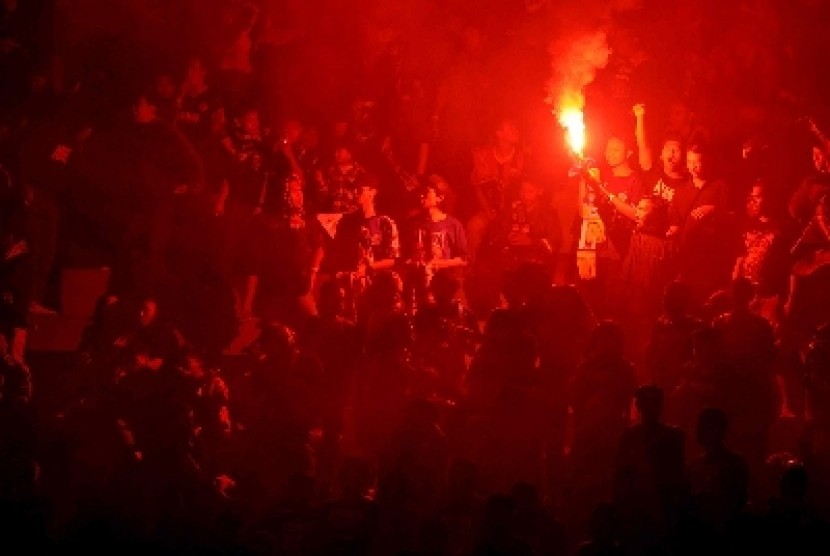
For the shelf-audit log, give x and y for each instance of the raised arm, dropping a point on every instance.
(643, 150)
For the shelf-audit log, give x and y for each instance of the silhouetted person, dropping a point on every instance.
(747, 391)
(600, 398)
(718, 478)
(670, 344)
(650, 460)
(791, 524)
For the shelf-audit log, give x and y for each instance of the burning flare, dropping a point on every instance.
(575, 60)
(572, 119)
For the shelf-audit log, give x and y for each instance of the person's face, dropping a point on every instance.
(754, 202)
(643, 209)
(671, 155)
(615, 153)
(250, 123)
(529, 193)
(694, 164)
(508, 133)
(145, 111)
(343, 156)
(148, 312)
(430, 198)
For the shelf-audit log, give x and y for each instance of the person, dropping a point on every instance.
(644, 269)
(600, 400)
(497, 172)
(196, 103)
(162, 172)
(364, 242)
(530, 230)
(439, 245)
(719, 477)
(762, 260)
(747, 388)
(650, 460)
(336, 190)
(671, 340)
(250, 188)
(290, 269)
(622, 189)
(661, 181)
(696, 217)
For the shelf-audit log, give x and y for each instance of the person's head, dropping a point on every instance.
(249, 122)
(671, 155)
(711, 428)
(617, 151)
(148, 311)
(644, 208)
(755, 200)
(442, 186)
(717, 304)
(431, 197)
(507, 133)
(695, 161)
(343, 155)
(648, 400)
(676, 299)
(530, 192)
(367, 190)
(144, 110)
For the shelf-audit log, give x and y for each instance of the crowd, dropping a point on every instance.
(468, 341)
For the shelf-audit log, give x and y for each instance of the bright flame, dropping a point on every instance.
(573, 120)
